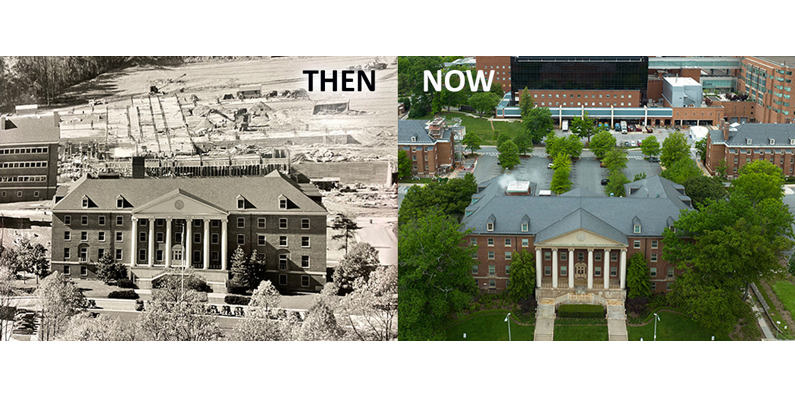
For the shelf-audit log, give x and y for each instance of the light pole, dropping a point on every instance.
(507, 317)
(656, 318)
(777, 328)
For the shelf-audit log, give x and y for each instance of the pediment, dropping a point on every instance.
(583, 237)
(179, 203)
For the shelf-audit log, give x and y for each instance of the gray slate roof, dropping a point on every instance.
(658, 187)
(31, 129)
(552, 216)
(413, 128)
(262, 192)
(759, 133)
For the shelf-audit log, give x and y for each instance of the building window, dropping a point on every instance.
(653, 272)
(261, 240)
(282, 241)
(214, 238)
(261, 222)
(475, 255)
(304, 241)
(507, 255)
(159, 237)
(580, 256)
(654, 244)
(101, 236)
(636, 244)
(490, 242)
(508, 242)
(66, 253)
(241, 203)
(491, 255)
(83, 270)
(282, 279)
(161, 222)
(637, 229)
(101, 220)
(564, 270)
(304, 281)
(100, 253)
(119, 220)
(613, 256)
(213, 256)
(597, 256)
(475, 269)
(66, 270)
(67, 220)
(525, 227)
(283, 261)
(67, 235)
(84, 236)
(197, 256)
(159, 255)
(490, 227)
(197, 237)
(282, 223)
(241, 222)
(613, 271)
(142, 255)
(525, 242)
(671, 272)
(241, 239)
(492, 284)
(473, 241)
(305, 261)
(84, 203)
(304, 223)
(283, 203)
(547, 256)
(654, 257)
(83, 220)
(547, 270)
(563, 255)
(119, 254)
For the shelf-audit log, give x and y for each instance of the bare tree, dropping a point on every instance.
(59, 299)
(371, 310)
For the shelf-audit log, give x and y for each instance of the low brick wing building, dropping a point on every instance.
(29, 157)
(150, 224)
(429, 145)
(739, 144)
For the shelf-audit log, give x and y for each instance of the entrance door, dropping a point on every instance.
(579, 271)
(176, 256)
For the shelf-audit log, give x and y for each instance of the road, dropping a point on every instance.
(378, 233)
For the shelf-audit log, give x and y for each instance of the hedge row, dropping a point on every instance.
(123, 294)
(125, 283)
(581, 311)
(237, 300)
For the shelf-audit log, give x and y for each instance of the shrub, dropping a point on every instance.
(123, 294)
(637, 305)
(139, 305)
(237, 300)
(125, 283)
(581, 311)
(233, 287)
(528, 305)
(192, 282)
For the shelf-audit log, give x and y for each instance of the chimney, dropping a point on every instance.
(725, 126)
(138, 167)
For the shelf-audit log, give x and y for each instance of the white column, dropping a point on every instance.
(168, 241)
(223, 244)
(554, 267)
(151, 252)
(606, 270)
(623, 270)
(187, 252)
(206, 248)
(134, 239)
(571, 268)
(539, 268)
(590, 268)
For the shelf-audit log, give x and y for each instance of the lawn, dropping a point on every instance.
(482, 127)
(771, 307)
(786, 294)
(580, 333)
(489, 326)
(672, 327)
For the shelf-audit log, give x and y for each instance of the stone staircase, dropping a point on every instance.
(545, 320)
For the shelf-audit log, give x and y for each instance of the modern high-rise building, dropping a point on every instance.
(28, 157)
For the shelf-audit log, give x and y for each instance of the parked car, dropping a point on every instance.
(649, 129)
(654, 159)
(605, 181)
(551, 165)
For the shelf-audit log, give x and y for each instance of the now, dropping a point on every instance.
(480, 80)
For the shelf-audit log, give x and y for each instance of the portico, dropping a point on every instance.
(173, 223)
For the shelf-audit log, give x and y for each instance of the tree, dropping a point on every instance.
(320, 324)
(484, 102)
(92, 327)
(411, 72)
(496, 89)
(265, 297)
(569, 145)
(720, 171)
(583, 127)
(31, 258)
(450, 197)
(615, 159)
(538, 123)
(791, 265)
(177, 321)
(638, 283)
(602, 142)
(450, 98)
(650, 146)
(702, 189)
(245, 271)
(526, 105)
(109, 269)
(523, 141)
(701, 149)
(258, 326)
(358, 263)
(177, 285)
(404, 165)
(501, 139)
(471, 142)
(509, 155)
(6, 293)
(616, 184)
(59, 299)
(674, 148)
(371, 310)
(560, 180)
(345, 228)
(639, 176)
(759, 180)
(682, 170)
(434, 275)
(523, 275)
(436, 104)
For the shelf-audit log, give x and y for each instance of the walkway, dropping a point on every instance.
(616, 321)
(545, 320)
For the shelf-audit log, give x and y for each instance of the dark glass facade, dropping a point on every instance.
(581, 73)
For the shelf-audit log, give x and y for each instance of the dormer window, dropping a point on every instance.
(85, 202)
(282, 203)
(490, 222)
(792, 141)
(119, 202)
(241, 202)
(525, 227)
(636, 225)
(490, 226)
(413, 138)
(525, 223)
(748, 141)
(637, 229)
(772, 141)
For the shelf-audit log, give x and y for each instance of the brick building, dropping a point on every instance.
(150, 224)
(430, 146)
(739, 144)
(580, 240)
(768, 82)
(28, 157)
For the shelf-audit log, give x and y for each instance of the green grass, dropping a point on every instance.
(482, 127)
(489, 326)
(580, 333)
(785, 291)
(672, 327)
(772, 308)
